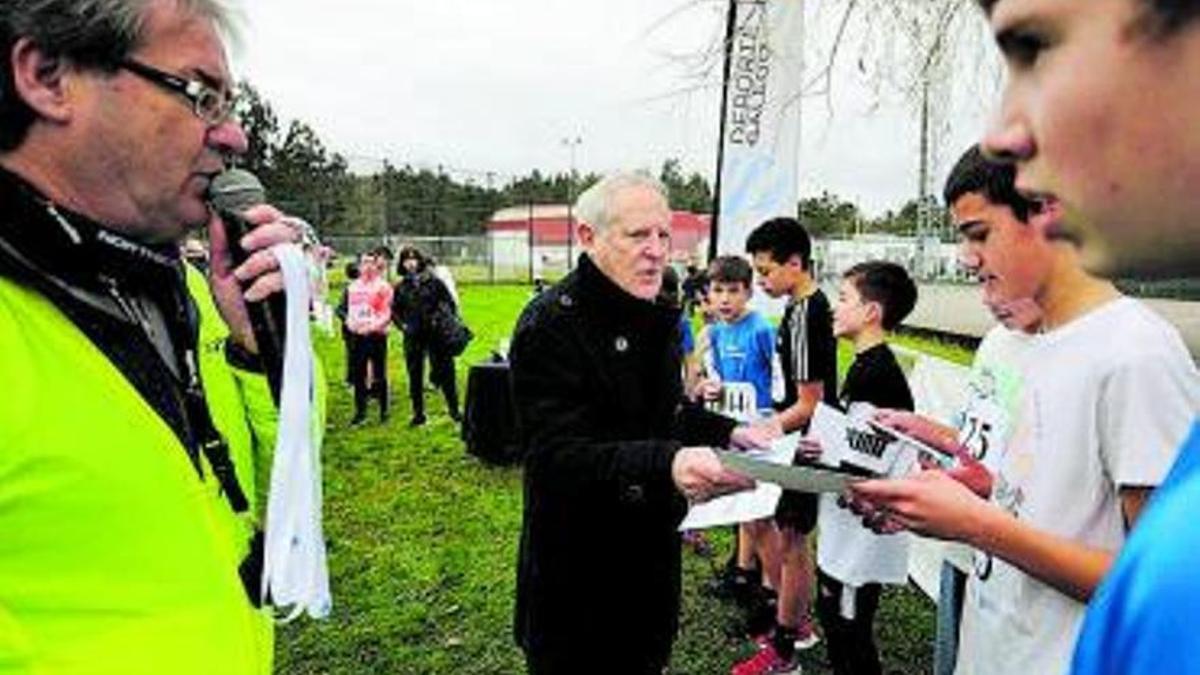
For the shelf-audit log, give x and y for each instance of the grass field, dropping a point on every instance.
(422, 546)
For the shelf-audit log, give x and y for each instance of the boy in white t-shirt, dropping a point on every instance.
(1107, 393)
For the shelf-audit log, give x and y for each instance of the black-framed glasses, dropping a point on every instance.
(210, 105)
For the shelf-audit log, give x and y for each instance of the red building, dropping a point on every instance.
(511, 230)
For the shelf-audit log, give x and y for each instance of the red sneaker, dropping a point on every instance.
(768, 662)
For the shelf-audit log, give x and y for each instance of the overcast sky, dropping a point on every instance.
(482, 86)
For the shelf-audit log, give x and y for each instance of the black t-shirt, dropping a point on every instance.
(806, 347)
(876, 378)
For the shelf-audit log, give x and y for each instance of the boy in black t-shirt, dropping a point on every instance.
(805, 345)
(854, 562)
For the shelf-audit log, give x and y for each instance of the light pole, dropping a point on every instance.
(572, 143)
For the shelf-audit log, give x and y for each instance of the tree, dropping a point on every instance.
(300, 175)
(829, 215)
(690, 193)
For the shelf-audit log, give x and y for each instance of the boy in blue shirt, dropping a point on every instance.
(743, 342)
(742, 348)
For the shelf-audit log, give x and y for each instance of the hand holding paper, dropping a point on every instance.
(700, 475)
(938, 448)
(930, 503)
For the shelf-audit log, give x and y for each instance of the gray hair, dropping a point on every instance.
(595, 205)
(92, 34)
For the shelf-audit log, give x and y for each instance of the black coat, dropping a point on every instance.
(416, 299)
(596, 376)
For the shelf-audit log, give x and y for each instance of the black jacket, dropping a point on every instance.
(596, 376)
(416, 299)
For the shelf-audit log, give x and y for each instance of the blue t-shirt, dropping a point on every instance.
(743, 352)
(687, 341)
(1143, 617)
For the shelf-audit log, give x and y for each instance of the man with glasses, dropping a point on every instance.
(134, 411)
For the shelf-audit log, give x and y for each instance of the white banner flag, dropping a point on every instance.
(762, 119)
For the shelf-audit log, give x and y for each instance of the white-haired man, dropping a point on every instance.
(128, 438)
(612, 454)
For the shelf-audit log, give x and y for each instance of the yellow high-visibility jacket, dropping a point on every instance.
(115, 556)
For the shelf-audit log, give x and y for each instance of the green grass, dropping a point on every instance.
(422, 546)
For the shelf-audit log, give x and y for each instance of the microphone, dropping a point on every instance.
(230, 194)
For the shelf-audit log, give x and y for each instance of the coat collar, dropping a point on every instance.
(597, 291)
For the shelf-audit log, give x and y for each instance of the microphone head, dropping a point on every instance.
(235, 190)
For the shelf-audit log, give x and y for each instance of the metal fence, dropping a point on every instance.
(472, 259)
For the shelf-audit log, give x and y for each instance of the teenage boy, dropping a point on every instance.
(1077, 126)
(742, 344)
(782, 255)
(1106, 392)
(978, 191)
(853, 562)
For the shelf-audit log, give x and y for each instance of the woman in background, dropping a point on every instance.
(418, 298)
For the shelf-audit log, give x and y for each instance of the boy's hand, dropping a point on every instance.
(809, 450)
(930, 503)
(754, 436)
(707, 389)
(968, 471)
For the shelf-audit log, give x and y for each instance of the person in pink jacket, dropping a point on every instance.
(368, 315)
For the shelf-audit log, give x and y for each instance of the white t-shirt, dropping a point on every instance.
(854, 555)
(986, 417)
(994, 391)
(1106, 402)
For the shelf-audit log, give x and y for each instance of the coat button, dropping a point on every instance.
(635, 494)
(621, 344)
(566, 301)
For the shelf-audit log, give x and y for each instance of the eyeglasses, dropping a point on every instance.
(210, 105)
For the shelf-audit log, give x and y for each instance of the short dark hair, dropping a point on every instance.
(782, 238)
(410, 252)
(731, 269)
(994, 181)
(86, 34)
(351, 271)
(887, 284)
(1162, 18)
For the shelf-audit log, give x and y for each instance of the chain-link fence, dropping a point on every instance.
(496, 259)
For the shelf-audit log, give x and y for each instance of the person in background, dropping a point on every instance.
(445, 276)
(694, 286)
(342, 309)
(368, 315)
(742, 351)
(418, 298)
(668, 296)
(807, 350)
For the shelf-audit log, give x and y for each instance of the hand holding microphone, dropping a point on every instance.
(245, 277)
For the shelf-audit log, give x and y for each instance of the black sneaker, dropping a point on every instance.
(416, 421)
(358, 420)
